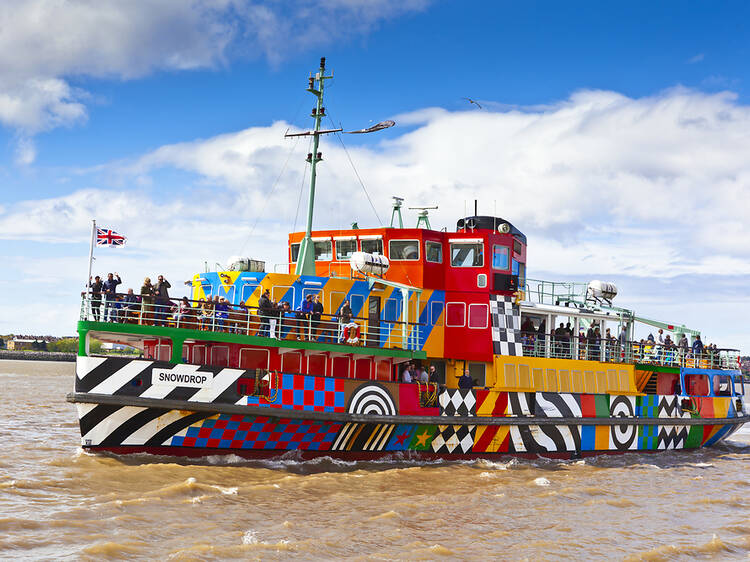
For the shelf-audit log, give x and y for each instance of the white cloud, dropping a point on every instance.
(45, 43)
(697, 58)
(604, 186)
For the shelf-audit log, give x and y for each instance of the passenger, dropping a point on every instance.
(345, 318)
(528, 326)
(406, 374)
(466, 381)
(590, 341)
(110, 290)
(433, 375)
(221, 311)
(289, 319)
(181, 312)
(205, 313)
(147, 301)
(265, 310)
(304, 329)
(161, 294)
(317, 313)
(423, 376)
(697, 346)
(96, 296)
(131, 306)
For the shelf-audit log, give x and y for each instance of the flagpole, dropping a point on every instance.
(91, 259)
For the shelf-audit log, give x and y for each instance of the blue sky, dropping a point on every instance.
(615, 136)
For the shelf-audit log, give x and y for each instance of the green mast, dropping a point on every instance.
(306, 258)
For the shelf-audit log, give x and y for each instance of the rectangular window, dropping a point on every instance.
(500, 257)
(516, 247)
(248, 288)
(403, 250)
(199, 354)
(163, 352)
(477, 372)
(433, 252)
(455, 314)
(291, 362)
(372, 246)
(467, 254)
(295, 252)
(357, 303)
(254, 358)
(345, 249)
(323, 250)
(391, 310)
(478, 315)
(280, 293)
(436, 313)
(220, 356)
(316, 365)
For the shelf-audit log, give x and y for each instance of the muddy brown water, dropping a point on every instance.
(57, 502)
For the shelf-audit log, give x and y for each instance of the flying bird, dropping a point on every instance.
(474, 102)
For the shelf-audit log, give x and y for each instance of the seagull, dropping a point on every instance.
(474, 102)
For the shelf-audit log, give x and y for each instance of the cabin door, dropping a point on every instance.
(373, 322)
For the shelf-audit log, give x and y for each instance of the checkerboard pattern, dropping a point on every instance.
(506, 326)
(453, 438)
(236, 431)
(302, 392)
(457, 402)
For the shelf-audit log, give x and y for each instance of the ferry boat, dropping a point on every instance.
(518, 367)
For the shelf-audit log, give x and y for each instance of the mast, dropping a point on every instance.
(306, 259)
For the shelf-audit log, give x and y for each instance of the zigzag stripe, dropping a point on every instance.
(672, 437)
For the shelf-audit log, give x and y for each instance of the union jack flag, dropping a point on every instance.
(107, 237)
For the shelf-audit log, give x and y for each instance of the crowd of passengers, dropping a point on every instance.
(592, 343)
(153, 306)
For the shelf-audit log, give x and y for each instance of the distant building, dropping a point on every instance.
(18, 344)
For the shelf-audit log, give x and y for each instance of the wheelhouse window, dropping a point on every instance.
(500, 257)
(372, 245)
(455, 314)
(722, 385)
(516, 247)
(478, 315)
(323, 250)
(467, 254)
(433, 252)
(404, 250)
(520, 270)
(345, 249)
(295, 252)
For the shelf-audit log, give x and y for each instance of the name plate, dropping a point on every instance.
(176, 378)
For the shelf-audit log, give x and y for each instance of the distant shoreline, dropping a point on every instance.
(37, 355)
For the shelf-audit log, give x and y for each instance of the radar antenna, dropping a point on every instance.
(423, 217)
(397, 202)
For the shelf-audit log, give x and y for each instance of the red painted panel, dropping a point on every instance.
(408, 402)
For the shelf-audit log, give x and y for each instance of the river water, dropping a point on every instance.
(58, 502)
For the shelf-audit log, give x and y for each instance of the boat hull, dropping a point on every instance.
(135, 405)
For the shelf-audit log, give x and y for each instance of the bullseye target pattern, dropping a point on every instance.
(623, 437)
(373, 399)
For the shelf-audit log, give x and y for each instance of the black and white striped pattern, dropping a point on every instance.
(363, 437)
(521, 403)
(545, 439)
(554, 405)
(506, 326)
(104, 425)
(120, 376)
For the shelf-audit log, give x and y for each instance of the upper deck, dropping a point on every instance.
(477, 257)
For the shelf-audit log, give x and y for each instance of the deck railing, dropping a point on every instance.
(282, 324)
(614, 351)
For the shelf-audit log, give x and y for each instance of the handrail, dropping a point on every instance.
(617, 351)
(281, 323)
